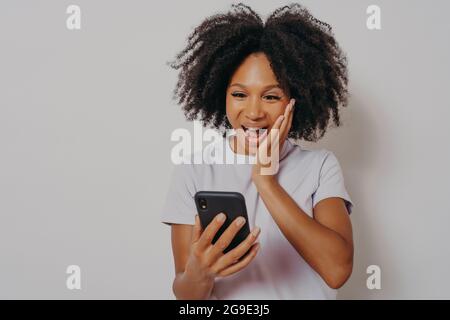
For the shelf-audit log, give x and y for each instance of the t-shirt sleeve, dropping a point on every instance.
(179, 206)
(331, 182)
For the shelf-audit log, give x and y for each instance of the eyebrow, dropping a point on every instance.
(270, 86)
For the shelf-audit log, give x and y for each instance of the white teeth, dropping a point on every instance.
(254, 132)
(254, 128)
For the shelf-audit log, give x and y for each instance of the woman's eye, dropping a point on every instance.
(238, 95)
(271, 97)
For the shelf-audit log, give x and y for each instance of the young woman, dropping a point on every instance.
(286, 75)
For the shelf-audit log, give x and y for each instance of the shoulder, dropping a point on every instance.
(313, 157)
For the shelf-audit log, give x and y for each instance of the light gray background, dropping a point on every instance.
(85, 124)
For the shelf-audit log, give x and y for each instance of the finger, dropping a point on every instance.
(278, 122)
(289, 121)
(275, 131)
(287, 111)
(288, 108)
(275, 135)
(276, 126)
(288, 116)
(225, 239)
(211, 230)
(197, 231)
(262, 137)
(241, 264)
(285, 126)
(234, 255)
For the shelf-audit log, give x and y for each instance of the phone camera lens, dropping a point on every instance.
(202, 202)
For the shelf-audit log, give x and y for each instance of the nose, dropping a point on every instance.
(254, 110)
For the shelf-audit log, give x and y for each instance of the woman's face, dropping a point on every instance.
(254, 100)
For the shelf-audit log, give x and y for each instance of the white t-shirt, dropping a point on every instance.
(278, 271)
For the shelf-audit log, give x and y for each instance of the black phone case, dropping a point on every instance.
(230, 203)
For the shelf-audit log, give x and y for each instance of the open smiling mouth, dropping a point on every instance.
(253, 133)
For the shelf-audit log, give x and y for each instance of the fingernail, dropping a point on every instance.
(240, 221)
(221, 217)
(256, 231)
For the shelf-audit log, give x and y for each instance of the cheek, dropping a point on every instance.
(232, 112)
(274, 113)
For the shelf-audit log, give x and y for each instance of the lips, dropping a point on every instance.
(253, 131)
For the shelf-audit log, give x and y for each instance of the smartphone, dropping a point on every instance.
(232, 204)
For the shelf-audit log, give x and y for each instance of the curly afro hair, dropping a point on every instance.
(303, 55)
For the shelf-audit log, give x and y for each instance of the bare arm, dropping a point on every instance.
(324, 241)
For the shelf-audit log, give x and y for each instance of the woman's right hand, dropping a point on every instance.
(207, 261)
